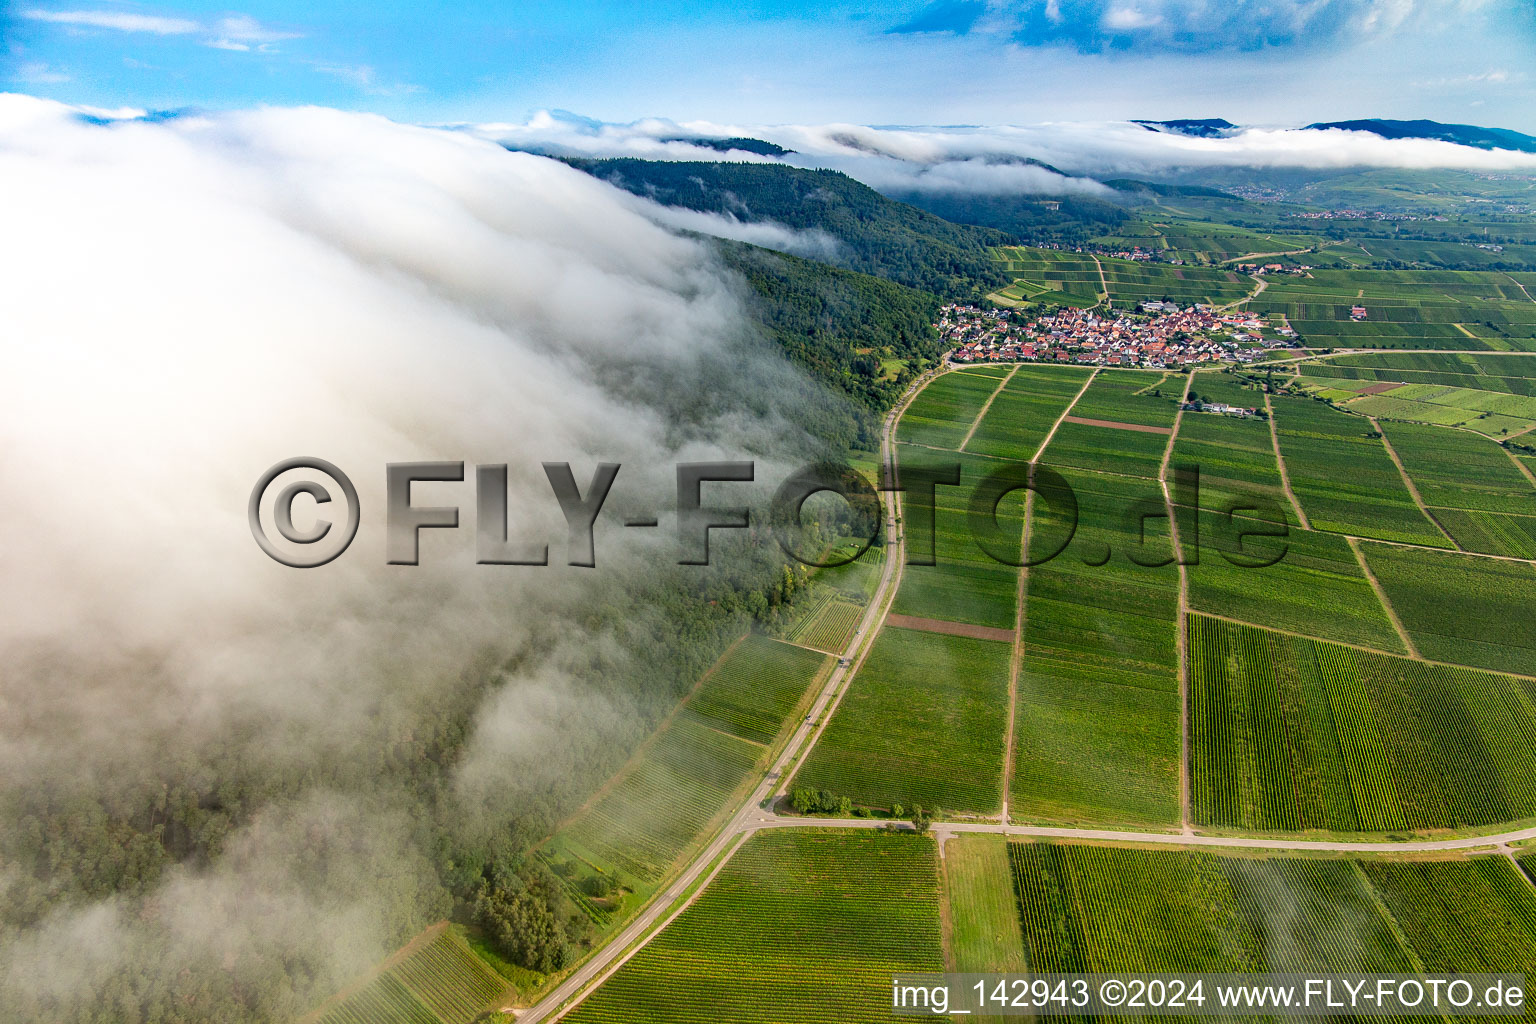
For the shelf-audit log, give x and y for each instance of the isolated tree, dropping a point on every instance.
(921, 819)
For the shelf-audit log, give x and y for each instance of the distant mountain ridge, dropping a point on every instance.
(742, 143)
(1473, 135)
(1460, 134)
(1199, 127)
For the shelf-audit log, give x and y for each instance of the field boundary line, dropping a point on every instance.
(1521, 466)
(1103, 282)
(954, 451)
(1021, 601)
(1413, 490)
(1256, 255)
(987, 405)
(1063, 417)
(625, 770)
(1181, 628)
(1520, 285)
(1430, 547)
(1363, 647)
(1381, 595)
(946, 908)
(1016, 656)
(1285, 476)
(412, 946)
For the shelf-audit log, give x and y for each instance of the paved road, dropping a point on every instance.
(756, 813)
(624, 945)
(767, 819)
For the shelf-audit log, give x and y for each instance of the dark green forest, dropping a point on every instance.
(877, 235)
(822, 317)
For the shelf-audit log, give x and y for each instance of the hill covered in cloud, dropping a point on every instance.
(229, 785)
(1056, 159)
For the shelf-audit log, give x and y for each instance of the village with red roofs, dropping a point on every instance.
(1160, 335)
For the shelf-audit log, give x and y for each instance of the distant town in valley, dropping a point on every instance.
(1159, 336)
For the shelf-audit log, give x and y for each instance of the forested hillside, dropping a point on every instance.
(877, 235)
(839, 324)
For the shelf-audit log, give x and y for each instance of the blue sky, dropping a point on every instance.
(774, 61)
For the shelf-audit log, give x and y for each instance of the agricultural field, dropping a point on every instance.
(964, 584)
(755, 687)
(1316, 587)
(1101, 449)
(1289, 734)
(1442, 254)
(831, 628)
(1461, 608)
(1405, 309)
(1471, 486)
(1491, 413)
(995, 371)
(921, 723)
(942, 413)
(1511, 374)
(982, 906)
(441, 981)
(1235, 455)
(856, 580)
(1476, 914)
(801, 925)
(665, 799)
(1045, 275)
(1024, 410)
(1133, 281)
(1132, 396)
(982, 913)
(1118, 396)
(1067, 278)
(1345, 479)
(1203, 240)
(1096, 731)
(1101, 909)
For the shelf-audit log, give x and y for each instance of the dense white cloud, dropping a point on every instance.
(191, 300)
(993, 160)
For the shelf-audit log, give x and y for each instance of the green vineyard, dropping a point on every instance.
(440, 982)
(670, 793)
(831, 628)
(1103, 909)
(1293, 734)
(918, 725)
(802, 925)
